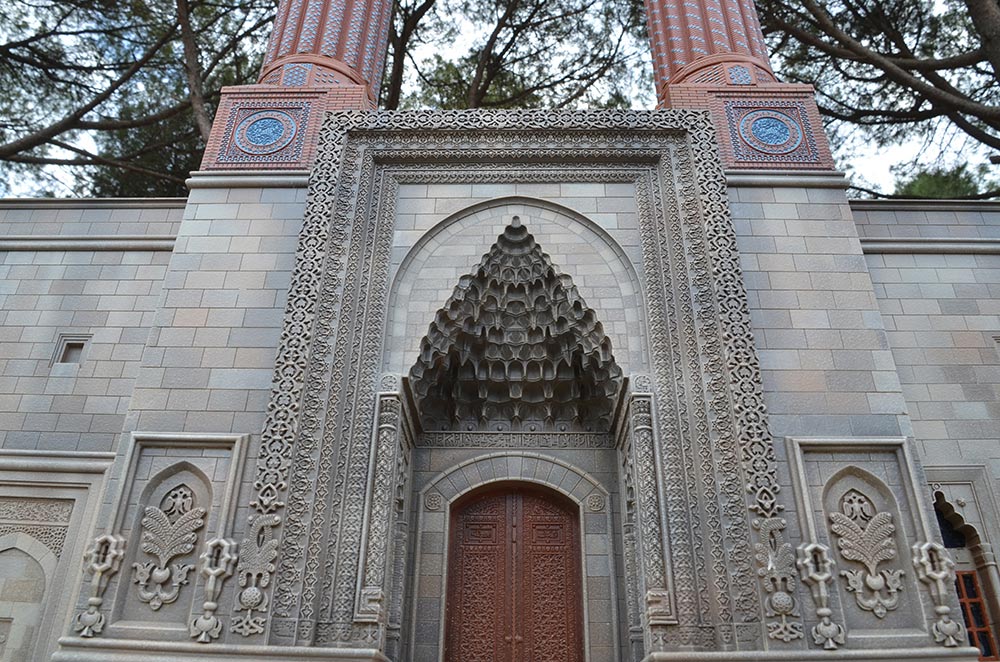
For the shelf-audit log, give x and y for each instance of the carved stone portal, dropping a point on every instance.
(516, 347)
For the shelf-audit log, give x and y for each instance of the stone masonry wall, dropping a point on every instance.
(89, 269)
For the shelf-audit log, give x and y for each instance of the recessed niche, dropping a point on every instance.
(70, 350)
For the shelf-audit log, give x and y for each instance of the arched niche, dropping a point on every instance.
(177, 502)
(425, 275)
(27, 568)
(861, 508)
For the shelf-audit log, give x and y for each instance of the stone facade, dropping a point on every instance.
(877, 391)
(242, 426)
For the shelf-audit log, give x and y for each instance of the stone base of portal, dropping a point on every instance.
(73, 649)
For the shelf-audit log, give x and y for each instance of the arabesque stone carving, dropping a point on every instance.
(168, 532)
(937, 570)
(776, 559)
(216, 565)
(309, 473)
(816, 572)
(257, 553)
(867, 537)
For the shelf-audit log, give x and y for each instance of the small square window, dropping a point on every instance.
(70, 350)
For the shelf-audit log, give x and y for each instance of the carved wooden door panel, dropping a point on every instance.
(514, 580)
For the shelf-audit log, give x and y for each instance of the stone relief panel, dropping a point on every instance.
(166, 528)
(871, 559)
(865, 536)
(169, 532)
(167, 551)
(702, 361)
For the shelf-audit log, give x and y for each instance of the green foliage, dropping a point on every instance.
(100, 87)
(521, 54)
(943, 183)
(889, 71)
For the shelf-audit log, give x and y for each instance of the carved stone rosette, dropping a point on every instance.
(867, 537)
(816, 572)
(217, 563)
(102, 560)
(936, 569)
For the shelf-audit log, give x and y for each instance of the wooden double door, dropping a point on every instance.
(514, 578)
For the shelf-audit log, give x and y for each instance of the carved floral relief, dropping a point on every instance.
(168, 532)
(866, 537)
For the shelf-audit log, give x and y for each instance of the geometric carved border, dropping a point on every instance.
(326, 372)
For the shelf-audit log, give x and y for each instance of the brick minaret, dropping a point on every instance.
(710, 54)
(323, 55)
(318, 43)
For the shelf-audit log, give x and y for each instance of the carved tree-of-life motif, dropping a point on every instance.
(168, 532)
(866, 536)
(514, 580)
(516, 347)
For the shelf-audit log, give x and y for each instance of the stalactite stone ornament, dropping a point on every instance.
(516, 347)
(102, 559)
(867, 537)
(168, 532)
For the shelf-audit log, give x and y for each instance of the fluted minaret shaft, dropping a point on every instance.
(688, 36)
(325, 43)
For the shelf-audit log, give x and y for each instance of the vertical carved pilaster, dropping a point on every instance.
(654, 586)
(388, 479)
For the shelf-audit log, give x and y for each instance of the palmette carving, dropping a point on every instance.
(867, 537)
(102, 560)
(216, 565)
(167, 533)
(776, 559)
(816, 572)
(936, 569)
(257, 553)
